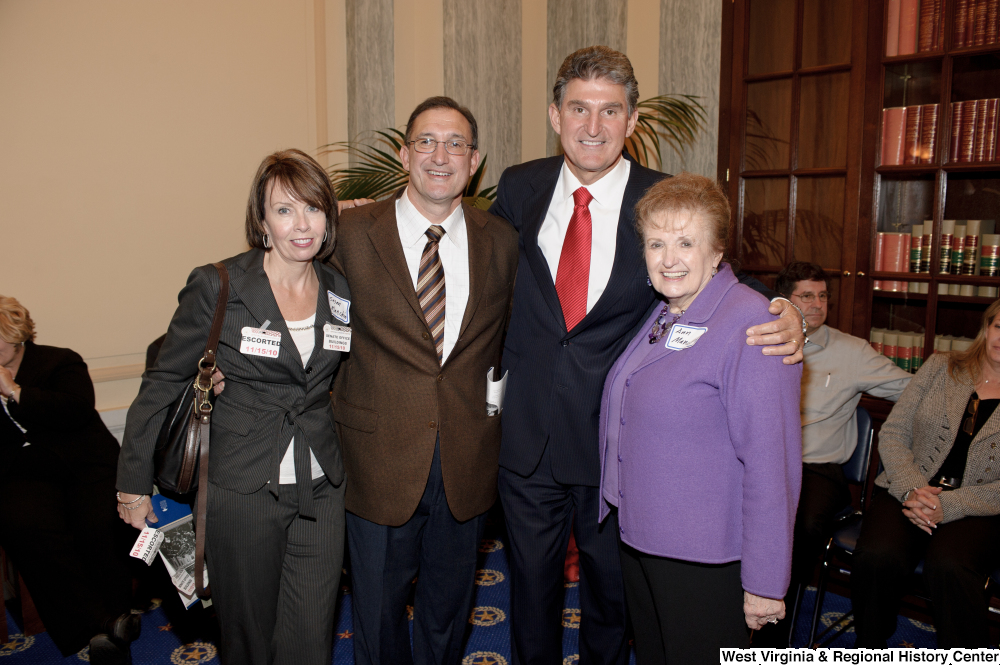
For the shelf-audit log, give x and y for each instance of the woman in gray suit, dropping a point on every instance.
(275, 522)
(938, 499)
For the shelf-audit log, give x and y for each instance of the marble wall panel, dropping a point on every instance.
(370, 79)
(690, 48)
(573, 24)
(482, 70)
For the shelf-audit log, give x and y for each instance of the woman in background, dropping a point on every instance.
(938, 498)
(701, 442)
(275, 521)
(57, 480)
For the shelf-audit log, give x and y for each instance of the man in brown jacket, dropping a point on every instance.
(431, 281)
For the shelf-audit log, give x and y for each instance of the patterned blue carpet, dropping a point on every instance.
(173, 635)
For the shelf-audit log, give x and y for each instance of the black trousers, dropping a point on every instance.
(437, 550)
(64, 535)
(682, 612)
(957, 558)
(825, 493)
(539, 513)
(275, 576)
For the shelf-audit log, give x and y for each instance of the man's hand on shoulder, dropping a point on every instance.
(783, 337)
(353, 203)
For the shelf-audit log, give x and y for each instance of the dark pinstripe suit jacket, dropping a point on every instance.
(556, 378)
(266, 400)
(392, 397)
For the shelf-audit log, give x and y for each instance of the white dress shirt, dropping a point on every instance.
(305, 342)
(453, 249)
(605, 211)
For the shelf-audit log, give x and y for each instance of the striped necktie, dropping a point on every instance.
(430, 288)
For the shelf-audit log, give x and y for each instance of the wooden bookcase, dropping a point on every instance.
(804, 83)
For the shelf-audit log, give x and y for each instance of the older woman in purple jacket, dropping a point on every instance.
(700, 441)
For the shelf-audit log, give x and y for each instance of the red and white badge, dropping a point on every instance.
(257, 342)
(336, 338)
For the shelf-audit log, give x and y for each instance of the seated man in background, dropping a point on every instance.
(837, 368)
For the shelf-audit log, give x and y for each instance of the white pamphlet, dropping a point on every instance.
(495, 391)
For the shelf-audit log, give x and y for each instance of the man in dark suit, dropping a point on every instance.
(581, 293)
(432, 280)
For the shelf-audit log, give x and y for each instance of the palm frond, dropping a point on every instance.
(675, 119)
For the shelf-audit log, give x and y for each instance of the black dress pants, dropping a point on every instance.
(540, 512)
(64, 535)
(437, 550)
(682, 612)
(957, 558)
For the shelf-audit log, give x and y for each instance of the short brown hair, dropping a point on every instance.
(969, 363)
(303, 178)
(687, 192)
(442, 102)
(597, 62)
(798, 271)
(16, 325)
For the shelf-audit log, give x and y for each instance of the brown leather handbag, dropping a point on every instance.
(180, 457)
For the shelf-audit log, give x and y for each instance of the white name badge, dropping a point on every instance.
(257, 342)
(336, 338)
(339, 307)
(684, 337)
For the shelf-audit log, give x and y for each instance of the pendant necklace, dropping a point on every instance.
(660, 326)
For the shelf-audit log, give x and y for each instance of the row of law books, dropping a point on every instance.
(968, 247)
(909, 134)
(917, 26)
(903, 348)
(912, 26)
(974, 130)
(976, 22)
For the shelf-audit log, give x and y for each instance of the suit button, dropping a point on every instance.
(440, 378)
(309, 370)
(621, 494)
(986, 470)
(619, 459)
(565, 342)
(628, 382)
(432, 424)
(979, 481)
(426, 336)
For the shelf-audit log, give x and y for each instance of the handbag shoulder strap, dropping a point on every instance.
(206, 366)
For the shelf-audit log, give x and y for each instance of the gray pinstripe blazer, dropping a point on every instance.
(921, 430)
(266, 400)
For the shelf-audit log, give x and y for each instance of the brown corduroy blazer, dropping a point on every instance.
(391, 397)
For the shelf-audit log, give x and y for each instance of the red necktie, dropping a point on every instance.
(573, 275)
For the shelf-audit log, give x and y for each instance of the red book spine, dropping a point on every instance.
(893, 136)
(928, 133)
(967, 142)
(979, 34)
(911, 151)
(908, 19)
(892, 28)
(979, 143)
(939, 25)
(970, 23)
(992, 26)
(925, 41)
(956, 130)
(992, 106)
(961, 18)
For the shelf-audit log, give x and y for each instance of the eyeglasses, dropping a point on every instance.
(969, 425)
(809, 296)
(453, 146)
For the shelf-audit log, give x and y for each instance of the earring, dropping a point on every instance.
(649, 282)
(715, 271)
(267, 241)
(326, 234)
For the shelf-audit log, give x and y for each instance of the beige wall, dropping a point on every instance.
(130, 130)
